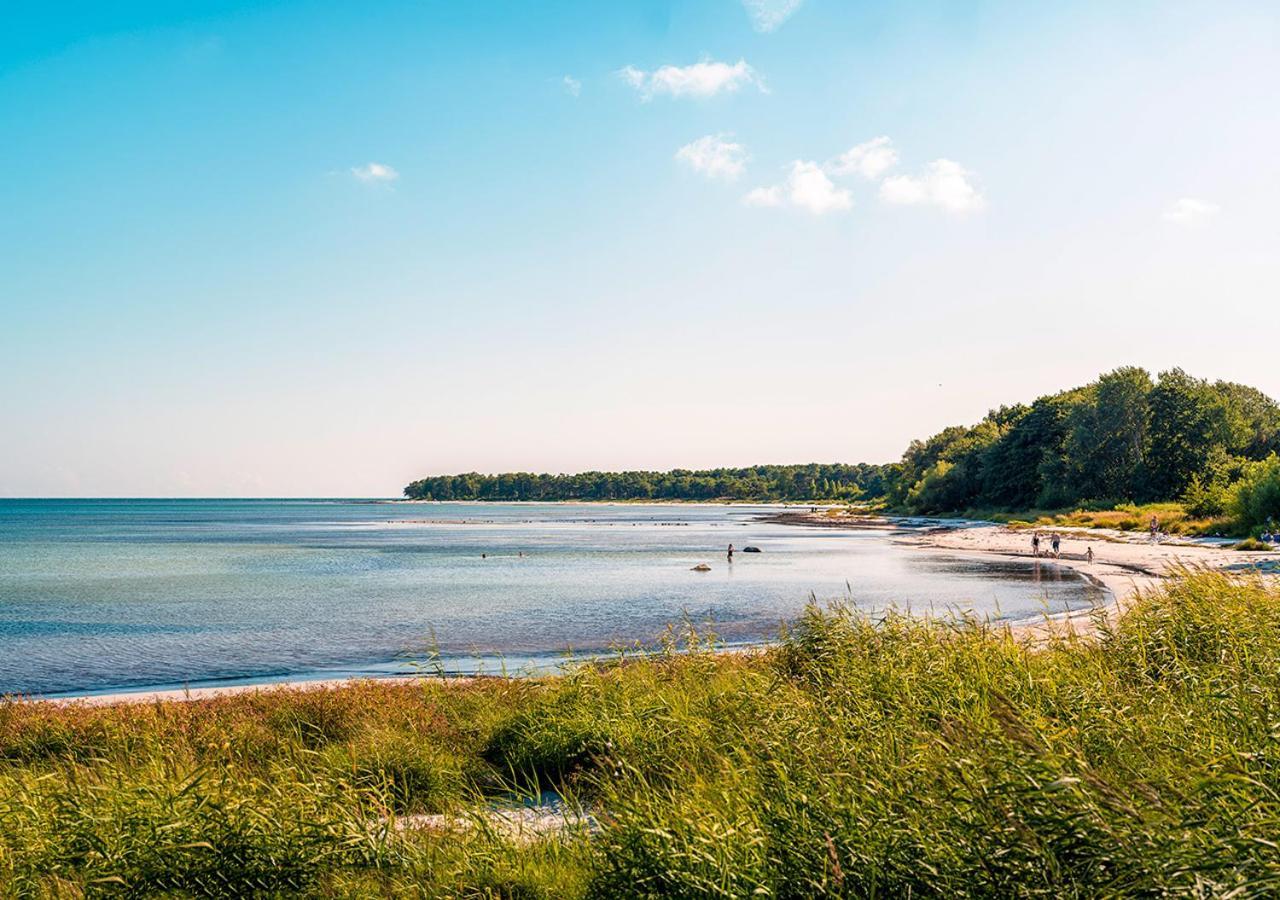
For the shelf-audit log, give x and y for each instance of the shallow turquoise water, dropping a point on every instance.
(104, 595)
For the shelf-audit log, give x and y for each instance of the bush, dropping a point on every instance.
(1254, 501)
(1204, 498)
(1252, 544)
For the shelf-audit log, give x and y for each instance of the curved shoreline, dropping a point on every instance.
(1125, 564)
(1122, 566)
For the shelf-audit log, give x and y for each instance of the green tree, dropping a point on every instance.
(1190, 422)
(1107, 438)
(1254, 500)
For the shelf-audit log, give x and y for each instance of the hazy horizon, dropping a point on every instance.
(292, 249)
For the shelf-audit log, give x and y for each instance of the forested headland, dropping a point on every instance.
(835, 481)
(1126, 438)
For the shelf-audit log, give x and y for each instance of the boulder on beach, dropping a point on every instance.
(751, 550)
(701, 567)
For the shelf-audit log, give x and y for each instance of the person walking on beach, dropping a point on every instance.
(1088, 554)
(1035, 544)
(1055, 541)
(731, 553)
(1155, 529)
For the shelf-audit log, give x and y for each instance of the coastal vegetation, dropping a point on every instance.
(857, 758)
(1124, 439)
(1174, 518)
(1116, 445)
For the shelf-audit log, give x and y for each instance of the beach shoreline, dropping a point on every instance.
(216, 692)
(1125, 563)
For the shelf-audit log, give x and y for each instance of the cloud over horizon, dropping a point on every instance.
(1189, 211)
(701, 79)
(944, 183)
(870, 159)
(807, 187)
(714, 156)
(768, 15)
(375, 172)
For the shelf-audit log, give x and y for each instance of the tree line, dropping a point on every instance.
(836, 481)
(1126, 437)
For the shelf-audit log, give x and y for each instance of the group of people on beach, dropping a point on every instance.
(1055, 542)
(1055, 546)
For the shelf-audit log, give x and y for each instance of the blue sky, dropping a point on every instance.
(322, 248)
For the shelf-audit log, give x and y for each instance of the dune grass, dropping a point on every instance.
(897, 757)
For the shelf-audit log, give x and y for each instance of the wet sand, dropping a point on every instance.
(230, 690)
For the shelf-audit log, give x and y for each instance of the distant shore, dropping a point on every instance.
(639, 501)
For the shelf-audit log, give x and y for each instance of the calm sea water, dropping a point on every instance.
(103, 595)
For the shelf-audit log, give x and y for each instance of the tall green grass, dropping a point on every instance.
(896, 757)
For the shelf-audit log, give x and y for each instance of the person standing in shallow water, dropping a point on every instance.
(1055, 542)
(1035, 544)
(731, 553)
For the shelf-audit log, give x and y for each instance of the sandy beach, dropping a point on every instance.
(1124, 563)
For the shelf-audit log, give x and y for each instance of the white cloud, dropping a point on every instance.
(632, 76)
(807, 187)
(701, 79)
(715, 157)
(944, 183)
(572, 86)
(870, 159)
(375, 172)
(1190, 211)
(768, 15)
(764, 196)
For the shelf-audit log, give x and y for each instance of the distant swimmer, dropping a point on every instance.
(484, 555)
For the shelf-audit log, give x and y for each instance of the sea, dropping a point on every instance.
(102, 596)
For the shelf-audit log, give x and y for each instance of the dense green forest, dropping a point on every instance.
(1125, 438)
(800, 482)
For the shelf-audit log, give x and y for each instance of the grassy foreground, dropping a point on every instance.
(899, 758)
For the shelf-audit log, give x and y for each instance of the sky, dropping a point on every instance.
(322, 249)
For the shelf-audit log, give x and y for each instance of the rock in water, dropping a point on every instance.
(701, 567)
(751, 550)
